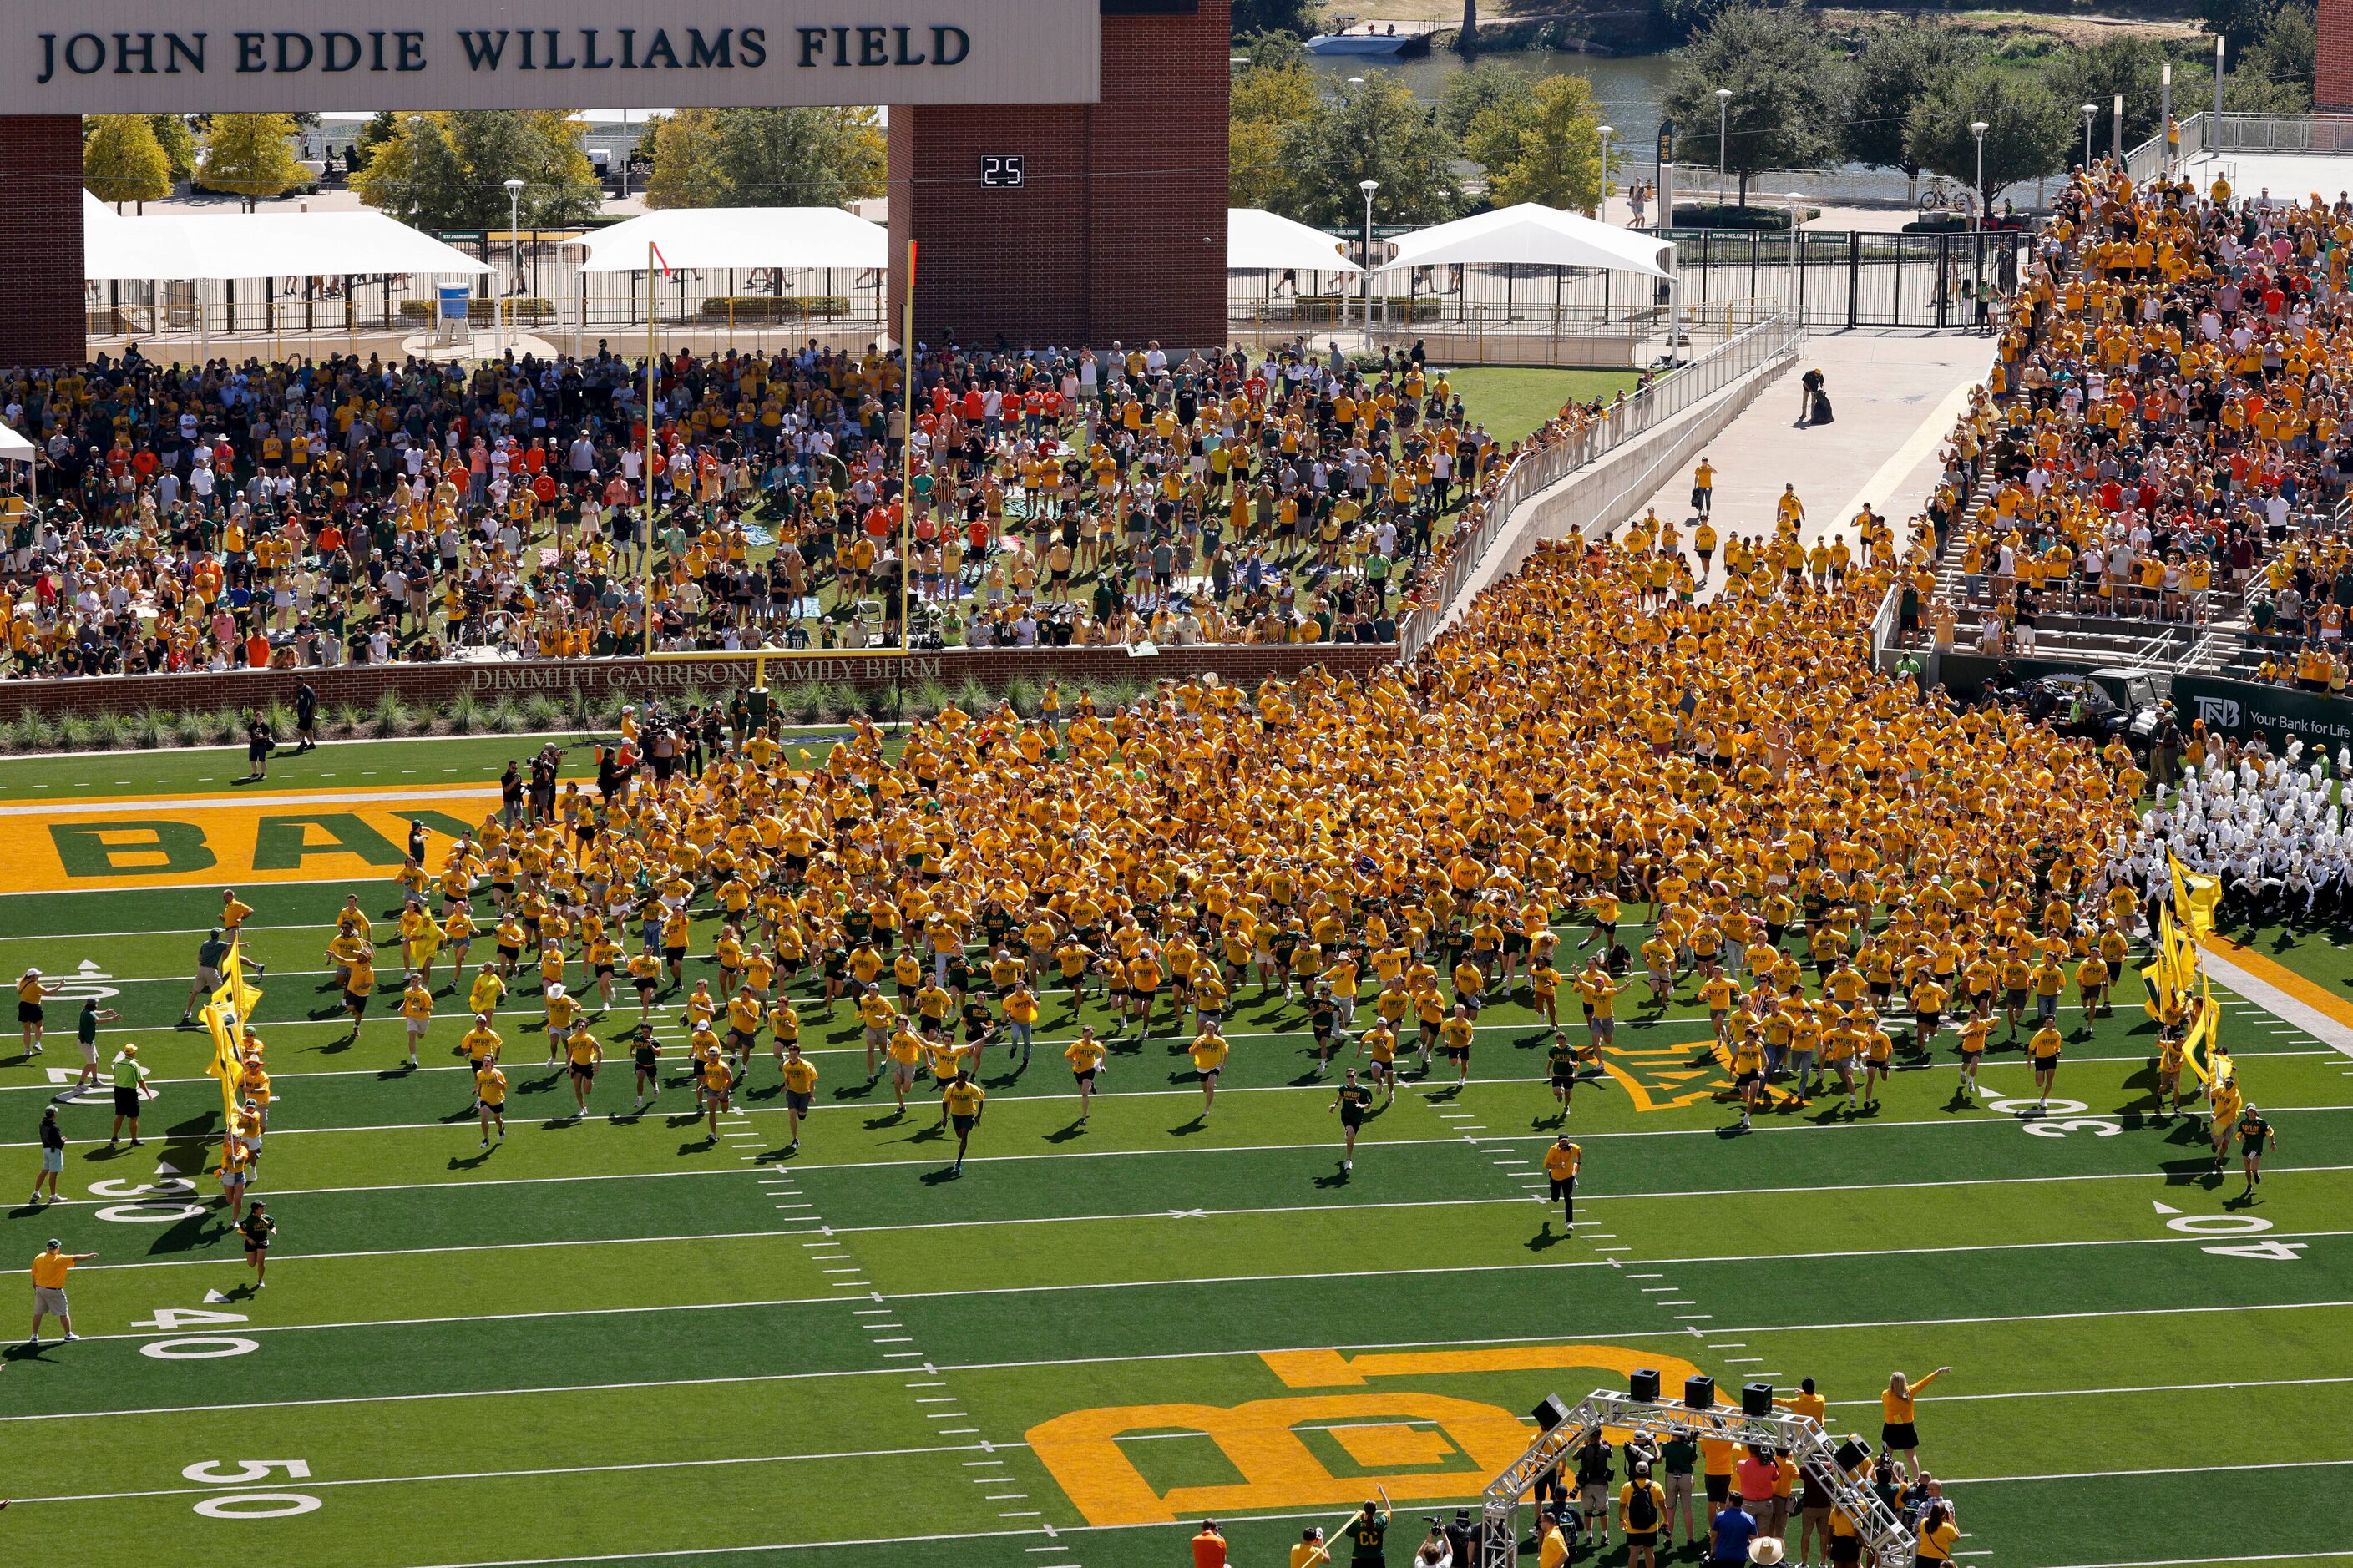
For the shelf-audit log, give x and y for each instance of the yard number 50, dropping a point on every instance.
(251, 1505)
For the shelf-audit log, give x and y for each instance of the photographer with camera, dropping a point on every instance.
(1463, 1537)
(1434, 1551)
(1593, 1473)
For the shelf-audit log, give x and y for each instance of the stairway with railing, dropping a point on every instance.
(1543, 464)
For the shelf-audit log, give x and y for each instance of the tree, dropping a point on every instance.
(685, 173)
(1542, 147)
(1681, 19)
(2029, 130)
(1488, 85)
(2269, 74)
(179, 145)
(415, 174)
(1267, 98)
(2094, 75)
(540, 147)
(449, 171)
(1785, 93)
(1269, 51)
(2244, 21)
(1901, 63)
(122, 161)
(252, 156)
(1375, 132)
(1297, 17)
(765, 157)
(384, 127)
(800, 157)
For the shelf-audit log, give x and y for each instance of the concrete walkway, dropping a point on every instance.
(1895, 396)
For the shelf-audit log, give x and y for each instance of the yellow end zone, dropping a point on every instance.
(267, 835)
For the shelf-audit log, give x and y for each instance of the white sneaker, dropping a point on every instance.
(1347, 1164)
(72, 1338)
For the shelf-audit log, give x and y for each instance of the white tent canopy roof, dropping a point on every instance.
(719, 237)
(14, 448)
(1534, 235)
(263, 244)
(93, 210)
(1257, 239)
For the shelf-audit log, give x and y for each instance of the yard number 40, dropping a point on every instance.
(2239, 1224)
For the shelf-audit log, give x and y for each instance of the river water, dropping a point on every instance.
(1628, 88)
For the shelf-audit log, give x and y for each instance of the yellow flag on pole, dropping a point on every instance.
(2195, 896)
(225, 1015)
(2203, 1048)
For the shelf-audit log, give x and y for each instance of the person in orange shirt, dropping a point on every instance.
(1210, 1546)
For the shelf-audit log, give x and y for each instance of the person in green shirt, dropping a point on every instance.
(130, 1084)
(2254, 1135)
(1561, 1061)
(1678, 1457)
(1368, 1530)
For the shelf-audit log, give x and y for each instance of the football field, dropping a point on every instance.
(621, 1339)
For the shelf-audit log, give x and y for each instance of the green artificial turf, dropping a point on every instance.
(1511, 401)
(620, 1340)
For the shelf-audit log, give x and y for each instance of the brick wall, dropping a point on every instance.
(41, 321)
(2333, 74)
(431, 685)
(1106, 237)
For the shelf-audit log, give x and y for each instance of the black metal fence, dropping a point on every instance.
(1850, 279)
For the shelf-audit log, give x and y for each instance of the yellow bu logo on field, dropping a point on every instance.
(1425, 1446)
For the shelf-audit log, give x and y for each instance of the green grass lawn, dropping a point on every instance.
(1511, 401)
(620, 1339)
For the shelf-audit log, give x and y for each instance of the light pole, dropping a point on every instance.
(1368, 187)
(2165, 114)
(1605, 131)
(514, 245)
(1723, 107)
(2218, 87)
(1978, 128)
(2116, 132)
(1356, 85)
(1797, 223)
(2091, 112)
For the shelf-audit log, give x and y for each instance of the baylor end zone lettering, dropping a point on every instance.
(128, 848)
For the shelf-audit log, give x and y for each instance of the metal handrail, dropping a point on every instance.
(1539, 468)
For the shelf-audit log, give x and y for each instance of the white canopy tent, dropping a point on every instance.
(1533, 235)
(1536, 236)
(717, 239)
(194, 249)
(1258, 240)
(263, 244)
(16, 448)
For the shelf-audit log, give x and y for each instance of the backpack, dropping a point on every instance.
(1642, 1508)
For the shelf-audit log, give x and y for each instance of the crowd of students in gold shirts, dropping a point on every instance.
(2168, 407)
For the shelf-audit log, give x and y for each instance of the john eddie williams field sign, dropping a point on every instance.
(107, 56)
